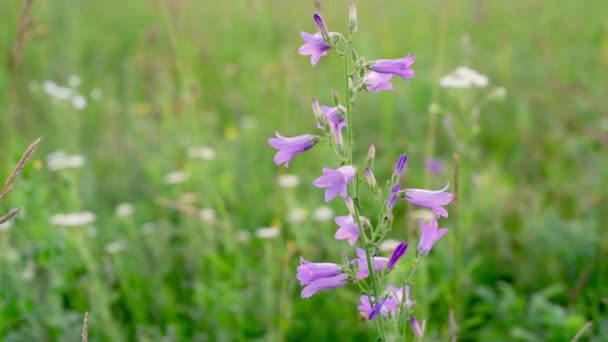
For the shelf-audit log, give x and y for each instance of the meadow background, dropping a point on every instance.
(524, 261)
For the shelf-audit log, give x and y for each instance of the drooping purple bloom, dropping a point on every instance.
(335, 181)
(289, 147)
(390, 203)
(397, 254)
(376, 82)
(363, 270)
(400, 67)
(434, 200)
(348, 229)
(401, 165)
(317, 276)
(336, 122)
(429, 234)
(435, 166)
(314, 46)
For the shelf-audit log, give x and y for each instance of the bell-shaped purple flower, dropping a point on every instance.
(397, 254)
(335, 181)
(363, 270)
(400, 67)
(434, 200)
(289, 147)
(348, 229)
(429, 234)
(390, 203)
(314, 46)
(389, 305)
(317, 276)
(376, 82)
(336, 122)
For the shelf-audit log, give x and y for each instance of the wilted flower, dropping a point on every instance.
(376, 82)
(317, 276)
(201, 152)
(464, 78)
(73, 219)
(288, 181)
(434, 200)
(323, 213)
(59, 160)
(175, 177)
(397, 254)
(268, 232)
(429, 234)
(335, 181)
(289, 147)
(400, 67)
(348, 229)
(124, 210)
(333, 116)
(363, 270)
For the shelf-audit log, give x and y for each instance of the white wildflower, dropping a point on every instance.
(201, 152)
(207, 215)
(243, 236)
(73, 219)
(297, 215)
(268, 232)
(464, 78)
(79, 102)
(323, 213)
(124, 210)
(288, 181)
(59, 160)
(116, 246)
(74, 81)
(175, 177)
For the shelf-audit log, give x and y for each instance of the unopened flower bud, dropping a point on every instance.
(321, 26)
(350, 205)
(335, 97)
(401, 165)
(352, 17)
(316, 109)
(371, 155)
(371, 179)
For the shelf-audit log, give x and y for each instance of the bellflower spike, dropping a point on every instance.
(335, 181)
(434, 200)
(400, 67)
(429, 234)
(397, 254)
(336, 122)
(317, 276)
(289, 147)
(376, 82)
(363, 271)
(401, 165)
(314, 46)
(348, 229)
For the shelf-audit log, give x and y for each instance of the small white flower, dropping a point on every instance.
(175, 177)
(288, 181)
(207, 215)
(74, 81)
(388, 245)
(116, 246)
(323, 213)
(297, 215)
(268, 232)
(79, 102)
(73, 219)
(124, 210)
(243, 236)
(96, 94)
(201, 152)
(6, 226)
(59, 160)
(464, 78)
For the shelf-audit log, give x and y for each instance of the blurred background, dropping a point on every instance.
(154, 204)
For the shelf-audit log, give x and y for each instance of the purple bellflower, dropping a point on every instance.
(336, 122)
(315, 45)
(434, 200)
(348, 229)
(397, 254)
(390, 203)
(317, 276)
(363, 270)
(376, 82)
(429, 234)
(389, 305)
(378, 308)
(335, 181)
(289, 147)
(400, 67)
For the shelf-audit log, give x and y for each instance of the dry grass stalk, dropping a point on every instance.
(25, 22)
(8, 184)
(581, 332)
(85, 328)
(10, 215)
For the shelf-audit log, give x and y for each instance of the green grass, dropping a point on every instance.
(523, 261)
